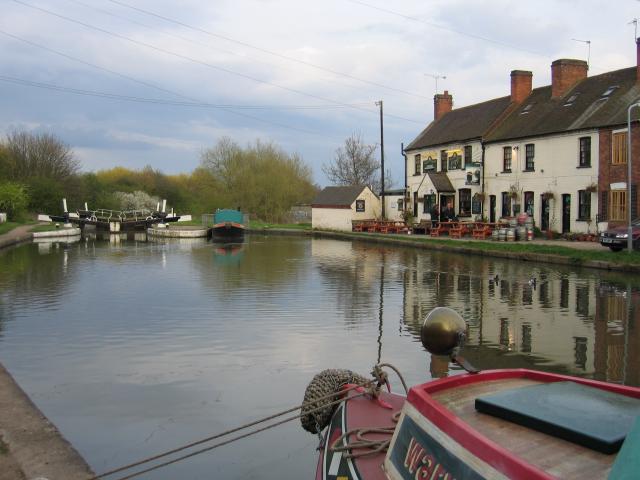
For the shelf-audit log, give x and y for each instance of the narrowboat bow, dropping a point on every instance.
(493, 424)
(227, 225)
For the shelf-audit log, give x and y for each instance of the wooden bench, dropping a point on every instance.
(482, 232)
(458, 231)
(437, 230)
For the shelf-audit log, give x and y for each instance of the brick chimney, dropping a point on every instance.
(565, 73)
(521, 82)
(442, 103)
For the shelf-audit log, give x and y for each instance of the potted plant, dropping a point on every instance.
(479, 196)
(513, 192)
(548, 195)
(407, 216)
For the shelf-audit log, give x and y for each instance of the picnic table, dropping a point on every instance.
(482, 230)
(380, 226)
(461, 229)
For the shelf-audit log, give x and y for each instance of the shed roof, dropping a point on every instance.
(338, 196)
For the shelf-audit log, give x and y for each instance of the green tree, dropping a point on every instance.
(14, 200)
(45, 195)
(261, 179)
(39, 155)
(4, 163)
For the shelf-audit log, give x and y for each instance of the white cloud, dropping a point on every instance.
(339, 35)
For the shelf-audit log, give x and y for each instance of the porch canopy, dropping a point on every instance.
(441, 182)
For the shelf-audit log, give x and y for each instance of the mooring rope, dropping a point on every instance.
(404, 384)
(373, 445)
(233, 430)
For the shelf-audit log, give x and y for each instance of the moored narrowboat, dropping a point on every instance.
(494, 424)
(227, 225)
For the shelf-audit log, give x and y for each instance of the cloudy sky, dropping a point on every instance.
(154, 82)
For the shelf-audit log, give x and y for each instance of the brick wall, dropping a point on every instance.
(609, 173)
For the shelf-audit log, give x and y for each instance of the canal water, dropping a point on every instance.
(132, 347)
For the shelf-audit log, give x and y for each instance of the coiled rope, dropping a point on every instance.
(377, 445)
(308, 411)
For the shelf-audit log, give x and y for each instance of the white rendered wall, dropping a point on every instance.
(458, 178)
(555, 170)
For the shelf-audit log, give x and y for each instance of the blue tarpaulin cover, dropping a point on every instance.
(589, 416)
(227, 215)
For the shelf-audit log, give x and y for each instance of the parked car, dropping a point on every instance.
(616, 238)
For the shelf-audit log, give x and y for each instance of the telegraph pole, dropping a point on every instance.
(379, 103)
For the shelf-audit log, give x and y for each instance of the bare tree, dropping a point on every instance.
(39, 155)
(354, 164)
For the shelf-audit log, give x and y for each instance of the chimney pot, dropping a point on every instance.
(565, 74)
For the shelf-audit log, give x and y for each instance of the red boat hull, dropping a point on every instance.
(431, 441)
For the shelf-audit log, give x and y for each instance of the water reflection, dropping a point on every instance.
(577, 323)
(155, 343)
(228, 254)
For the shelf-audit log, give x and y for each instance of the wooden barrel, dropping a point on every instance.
(502, 234)
(521, 233)
(495, 235)
(511, 234)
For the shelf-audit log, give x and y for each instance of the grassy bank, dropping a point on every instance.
(515, 250)
(8, 226)
(288, 226)
(530, 247)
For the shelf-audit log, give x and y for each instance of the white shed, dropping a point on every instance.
(335, 208)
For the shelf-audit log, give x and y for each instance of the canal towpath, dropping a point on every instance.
(17, 235)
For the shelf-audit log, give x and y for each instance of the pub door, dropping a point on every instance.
(544, 213)
(566, 213)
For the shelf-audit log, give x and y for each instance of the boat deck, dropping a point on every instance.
(558, 457)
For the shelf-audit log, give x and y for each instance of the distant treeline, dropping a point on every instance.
(38, 170)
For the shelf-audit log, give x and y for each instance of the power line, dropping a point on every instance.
(159, 101)
(199, 62)
(264, 50)
(442, 27)
(151, 85)
(195, 42)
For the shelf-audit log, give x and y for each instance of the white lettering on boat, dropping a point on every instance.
(424, 465)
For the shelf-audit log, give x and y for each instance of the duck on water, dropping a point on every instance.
(493, 424)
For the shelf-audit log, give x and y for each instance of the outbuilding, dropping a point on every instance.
(335, 208)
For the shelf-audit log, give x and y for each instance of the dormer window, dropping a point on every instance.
(526, 109)
(609, 91)
(571, 99)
